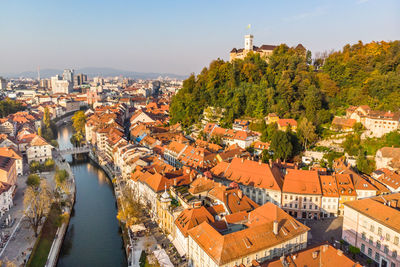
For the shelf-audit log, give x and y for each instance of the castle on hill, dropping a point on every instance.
(264, 50)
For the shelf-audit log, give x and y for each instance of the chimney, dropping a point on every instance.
(242, 159)
(339, 252)
(191, 177)
(394, 203)
(275, 227)
(175, 182)
(325, 247)
(270, 162)
(240, 194)
(315, 254)
(259, 162)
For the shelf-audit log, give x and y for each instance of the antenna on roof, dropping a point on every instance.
(38, 73)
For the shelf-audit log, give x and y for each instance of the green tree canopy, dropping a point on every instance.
(281, 145)
(33, 180)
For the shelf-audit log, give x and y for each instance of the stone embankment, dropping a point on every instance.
(62, 230)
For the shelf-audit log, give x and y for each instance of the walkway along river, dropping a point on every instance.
(93, 237)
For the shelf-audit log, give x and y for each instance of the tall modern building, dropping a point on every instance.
(80, 79)
(68, 75)
(45, 83)
(3, 83)
(62, 86)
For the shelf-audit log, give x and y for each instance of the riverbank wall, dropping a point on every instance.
(55, 249)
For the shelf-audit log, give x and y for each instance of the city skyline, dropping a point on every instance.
(178, 37)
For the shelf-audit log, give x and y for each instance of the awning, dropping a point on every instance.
(162, 258)
(138, 227)
(179, 247)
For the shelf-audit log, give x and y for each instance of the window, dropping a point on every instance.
(379, 231)
(363, 236)
(371, 240)
(378, 244)
(394, 254)
(386, 249)
(372, 228)
(310, 207)
(362, 248)
(370, 252)
(285, 197)
(387, 237)
(396, 240)
(392, 264)
(376, 256)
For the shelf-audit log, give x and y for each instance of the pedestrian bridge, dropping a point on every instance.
(75, 150)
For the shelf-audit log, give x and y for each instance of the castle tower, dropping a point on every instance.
(248, 42)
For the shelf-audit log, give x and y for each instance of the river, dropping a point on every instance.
(93, 237)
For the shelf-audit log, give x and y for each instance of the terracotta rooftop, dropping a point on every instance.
(328, 185)
(375, 208)
(256, 236)
(302, 182)
(322, 255)
(249, 172)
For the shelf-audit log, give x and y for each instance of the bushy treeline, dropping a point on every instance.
(9, 106)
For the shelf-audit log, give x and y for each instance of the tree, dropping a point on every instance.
(354, 251)
(352, 144)
(62, 186)
(33, 180)
(364, 164)
(265, 156)
(306, 132)
(272, 128)
(79, 121)
(130, 210)
(61, 178)
(49, 164)
(281, 145)
(34, 166)
(358, 128)
(46, 117)
(37, 202)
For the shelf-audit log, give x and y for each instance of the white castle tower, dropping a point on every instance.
(248, 42)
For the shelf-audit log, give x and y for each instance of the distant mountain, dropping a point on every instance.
(94, 71)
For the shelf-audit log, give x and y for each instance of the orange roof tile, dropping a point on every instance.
(302, 182)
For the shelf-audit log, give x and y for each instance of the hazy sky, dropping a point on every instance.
(177, 36)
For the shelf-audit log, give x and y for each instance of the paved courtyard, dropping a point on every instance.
(327, 229)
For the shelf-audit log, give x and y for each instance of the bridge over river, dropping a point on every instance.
(74, 150)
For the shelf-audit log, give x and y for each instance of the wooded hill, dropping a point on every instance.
(293, 85)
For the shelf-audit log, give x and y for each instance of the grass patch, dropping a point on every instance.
(371, 145)
(43, 244)
(143, 261)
